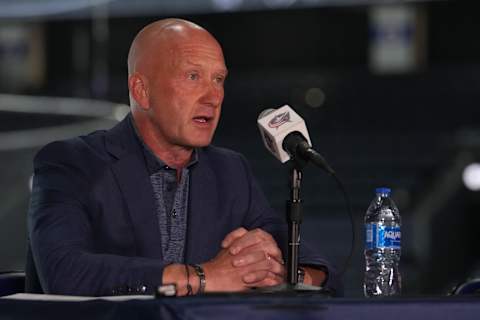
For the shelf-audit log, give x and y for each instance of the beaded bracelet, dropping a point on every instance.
(201, 276)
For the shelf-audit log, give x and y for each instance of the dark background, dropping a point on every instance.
(414, 132)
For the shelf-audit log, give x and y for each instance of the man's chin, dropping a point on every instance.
(200, 143)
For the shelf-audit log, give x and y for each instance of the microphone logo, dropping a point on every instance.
(279, 120)
(270, 143)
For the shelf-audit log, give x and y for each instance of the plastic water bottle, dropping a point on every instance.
(382, 246)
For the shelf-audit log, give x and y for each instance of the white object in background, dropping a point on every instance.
(471, 176)
(396, 38)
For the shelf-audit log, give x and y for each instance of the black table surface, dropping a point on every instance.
(242, 306)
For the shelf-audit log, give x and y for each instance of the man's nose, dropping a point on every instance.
(213, 95)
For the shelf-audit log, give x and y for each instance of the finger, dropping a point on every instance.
(232, 236)
(270, 280)
(267, 263)
(253, 257)
(270, 249)
(249, 239)
(276, 268)
(248, 258)
(255, 276)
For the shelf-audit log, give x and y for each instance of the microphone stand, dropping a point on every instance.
(294, 218)
(294, 215)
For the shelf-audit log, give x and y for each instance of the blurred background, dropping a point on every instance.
(389, 91)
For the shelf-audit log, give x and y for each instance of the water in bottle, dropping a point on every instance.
(382, 246)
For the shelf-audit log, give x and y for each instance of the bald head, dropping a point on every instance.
(158, 38)
(176, 84)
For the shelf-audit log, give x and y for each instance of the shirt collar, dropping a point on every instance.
(154, 163)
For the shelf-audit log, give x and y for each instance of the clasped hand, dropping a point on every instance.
(247, 259)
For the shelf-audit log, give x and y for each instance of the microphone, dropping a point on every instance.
(285, 135)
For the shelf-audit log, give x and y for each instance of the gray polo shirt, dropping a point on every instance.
(171, 199)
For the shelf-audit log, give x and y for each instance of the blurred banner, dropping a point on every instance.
(81, 8)
(397, 38)
(22, 56)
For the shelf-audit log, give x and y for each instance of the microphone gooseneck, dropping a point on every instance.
(297, 146)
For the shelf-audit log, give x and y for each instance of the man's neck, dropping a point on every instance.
(176, 157)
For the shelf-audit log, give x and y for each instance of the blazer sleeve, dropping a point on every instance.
(61, 236)
(261, 215)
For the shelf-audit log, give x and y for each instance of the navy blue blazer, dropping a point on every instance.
(92, 221)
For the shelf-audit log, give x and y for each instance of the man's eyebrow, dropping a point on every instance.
(189, 62)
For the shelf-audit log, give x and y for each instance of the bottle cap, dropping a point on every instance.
(383, 190)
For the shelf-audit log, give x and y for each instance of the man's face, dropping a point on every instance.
(185, 88)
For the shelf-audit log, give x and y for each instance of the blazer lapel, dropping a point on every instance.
(134, 182)
(203, 208)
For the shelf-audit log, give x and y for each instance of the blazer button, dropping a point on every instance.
(140, 289)
(118, 291)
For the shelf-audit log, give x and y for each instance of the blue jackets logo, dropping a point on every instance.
(279, 120)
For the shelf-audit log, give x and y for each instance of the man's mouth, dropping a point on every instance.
(202, 119)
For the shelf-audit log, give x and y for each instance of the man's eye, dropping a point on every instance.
(193, 76)
(220, 79)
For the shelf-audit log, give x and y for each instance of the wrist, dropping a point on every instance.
(210, 279)
(200, 273)
(316, 276)
(181, 275)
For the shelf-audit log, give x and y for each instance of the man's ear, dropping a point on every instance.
(137, 85)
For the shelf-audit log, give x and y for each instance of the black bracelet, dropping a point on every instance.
(189, 287)
(201, 276)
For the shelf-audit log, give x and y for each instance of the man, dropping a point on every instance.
(149, 202)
